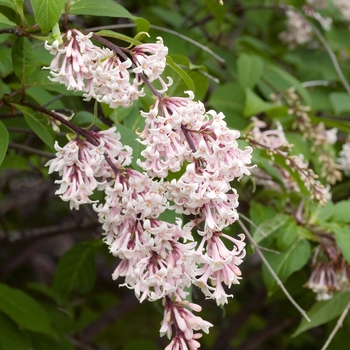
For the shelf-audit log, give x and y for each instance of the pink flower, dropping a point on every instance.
(75, 163)
(166, 145)
(178, 315)
(219, 265)
(83, 166)
(150, 59)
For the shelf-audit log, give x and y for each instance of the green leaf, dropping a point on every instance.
(285, 263)
(276, 79)
(287, 234)
(340, 102)
(8, 3)
(143, 343)
(249, 69)
(24, 310)
(24, 60)
(342, 237)
(42, 342)
(229, 98)
(341, 212)
(36, 123)
(128, 137)
(281, 161)
(170, 62)
(47, 13)
(324, 311)
(254, 104)
(300, 144)
(19, 8)
(119, 36)
(322, 214)
(11, 336)
(268, 167)
(14, 161)
(107, 8)
(269, 226)
(76, 271)
(6, 21)
(6, 66)
(4, 141)
(259, 213)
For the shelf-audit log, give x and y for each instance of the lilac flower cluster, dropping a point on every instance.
(82, 66)
(158, 259)
(330, 270)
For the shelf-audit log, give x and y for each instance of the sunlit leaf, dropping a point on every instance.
(47, 13)
(107, 8)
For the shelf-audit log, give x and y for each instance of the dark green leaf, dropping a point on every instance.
(144, 344)
(276, 79)
(42, 342)
(24, 60)
(11, 336)
(8, 3)
(24, 310)
(6, 21)
(287, 262)
(6, 66)
(287, 234)
(229, 99)
(84, 118)
(19, 7)
(47, 13)
(4, 141)
(170, 62)
(76, 271)
(249, 69)
(260, 213)
(107, 8)
(36, 123)
(128, 137)
(119, 36)
(269, 226)
(14, 161)
(324, 311)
